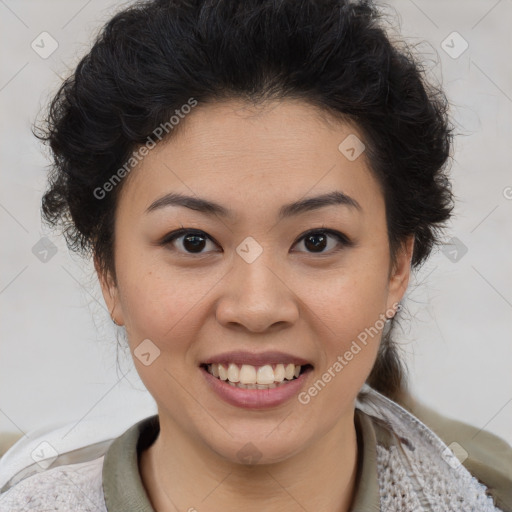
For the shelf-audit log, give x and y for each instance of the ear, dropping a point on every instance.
(400, 272)
(110, 293)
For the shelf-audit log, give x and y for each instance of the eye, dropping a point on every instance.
(316, 241)
(193, 241)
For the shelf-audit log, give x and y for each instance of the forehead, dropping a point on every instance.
(253, 156)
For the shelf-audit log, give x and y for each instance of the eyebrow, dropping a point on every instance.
(288, 210)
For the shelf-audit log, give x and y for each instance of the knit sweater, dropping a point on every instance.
(417, 472)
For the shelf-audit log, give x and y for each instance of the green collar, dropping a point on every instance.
(124, 491)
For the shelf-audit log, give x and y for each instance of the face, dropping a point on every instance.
(254, 282)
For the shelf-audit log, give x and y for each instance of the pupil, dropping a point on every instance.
(316, 245)
(197, 241)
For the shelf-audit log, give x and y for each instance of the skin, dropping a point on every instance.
(291, 298)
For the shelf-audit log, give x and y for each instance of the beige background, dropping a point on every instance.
(58, 348)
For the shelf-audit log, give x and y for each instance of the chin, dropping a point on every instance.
(252, 446)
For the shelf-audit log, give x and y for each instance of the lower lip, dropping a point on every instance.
(255, 398)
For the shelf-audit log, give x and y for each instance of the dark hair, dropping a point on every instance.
(152, 57)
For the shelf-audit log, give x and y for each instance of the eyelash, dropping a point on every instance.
(343, 240)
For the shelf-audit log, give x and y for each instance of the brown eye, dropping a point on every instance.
(317, 241)
(193, 242)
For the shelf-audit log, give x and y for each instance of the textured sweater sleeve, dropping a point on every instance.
(73, 487)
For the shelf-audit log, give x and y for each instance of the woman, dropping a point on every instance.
(255, 181)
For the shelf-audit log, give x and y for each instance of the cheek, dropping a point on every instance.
(164, 310)
(348, 328)
(161, 303)
(348, 311)
(353, 297)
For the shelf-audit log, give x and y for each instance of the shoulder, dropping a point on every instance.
(76, 487)
(486, 456)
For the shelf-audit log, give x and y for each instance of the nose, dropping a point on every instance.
(257, 297)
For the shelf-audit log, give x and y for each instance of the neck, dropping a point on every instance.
(179, 474)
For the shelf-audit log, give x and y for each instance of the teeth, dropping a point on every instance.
(279, 373)
(248, 374)
(254, 386)
(223, 373)
(233, 373)
(252, 377)
(266, 374)
(289, 371)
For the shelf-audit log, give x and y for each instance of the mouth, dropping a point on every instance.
(247, 376)
(251, 380)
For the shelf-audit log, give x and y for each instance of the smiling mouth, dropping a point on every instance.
(247, 376)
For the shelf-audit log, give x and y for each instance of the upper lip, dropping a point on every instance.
(240, 357)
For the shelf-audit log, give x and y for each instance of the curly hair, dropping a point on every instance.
(153, 56)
